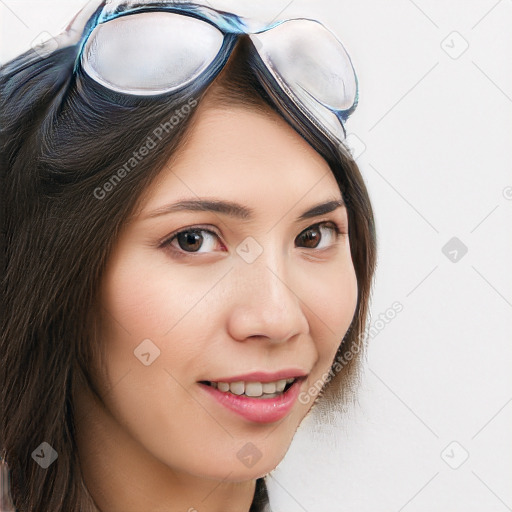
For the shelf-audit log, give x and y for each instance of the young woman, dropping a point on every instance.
(189, 251)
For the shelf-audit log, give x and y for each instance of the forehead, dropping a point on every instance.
(242, 153)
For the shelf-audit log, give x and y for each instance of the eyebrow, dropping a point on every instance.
(239, 211)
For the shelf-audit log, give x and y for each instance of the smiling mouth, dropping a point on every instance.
(254, 389)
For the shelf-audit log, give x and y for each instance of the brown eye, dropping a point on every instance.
(313, 236)
(193, 240)
(190, 241)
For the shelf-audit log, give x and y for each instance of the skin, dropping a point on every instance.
(158, 442)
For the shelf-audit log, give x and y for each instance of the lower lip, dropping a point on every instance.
(258, 410)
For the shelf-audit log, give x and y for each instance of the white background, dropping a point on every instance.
(435, 123)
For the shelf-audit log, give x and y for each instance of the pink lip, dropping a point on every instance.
(258, 410)
(264, 376)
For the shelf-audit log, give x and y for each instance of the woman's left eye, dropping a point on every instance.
(201, 240)
(312, 236)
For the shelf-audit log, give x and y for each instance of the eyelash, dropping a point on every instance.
(178, 252)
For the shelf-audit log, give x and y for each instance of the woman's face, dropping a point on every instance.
(193, 296)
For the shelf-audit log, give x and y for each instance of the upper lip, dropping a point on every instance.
(263, 376)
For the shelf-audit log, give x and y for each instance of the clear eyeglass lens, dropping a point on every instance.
(306, 55)
(150, 53)
(308, 60)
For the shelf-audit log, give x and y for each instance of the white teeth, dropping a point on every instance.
(281, 384)
(222, 386)
(237, 388)
(269, 387)
(253, 389)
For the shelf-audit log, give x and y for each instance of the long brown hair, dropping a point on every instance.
(62, 137)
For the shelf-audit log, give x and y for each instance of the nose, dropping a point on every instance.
(266, 304)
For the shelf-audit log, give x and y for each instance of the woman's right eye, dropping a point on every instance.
(192, 240)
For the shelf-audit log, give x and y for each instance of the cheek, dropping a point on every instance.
(149, 297)
(139, 307)
(146, 298)
(137, 297)
(332, 304)
(332, 296)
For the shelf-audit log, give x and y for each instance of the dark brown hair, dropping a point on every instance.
(62, 137)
